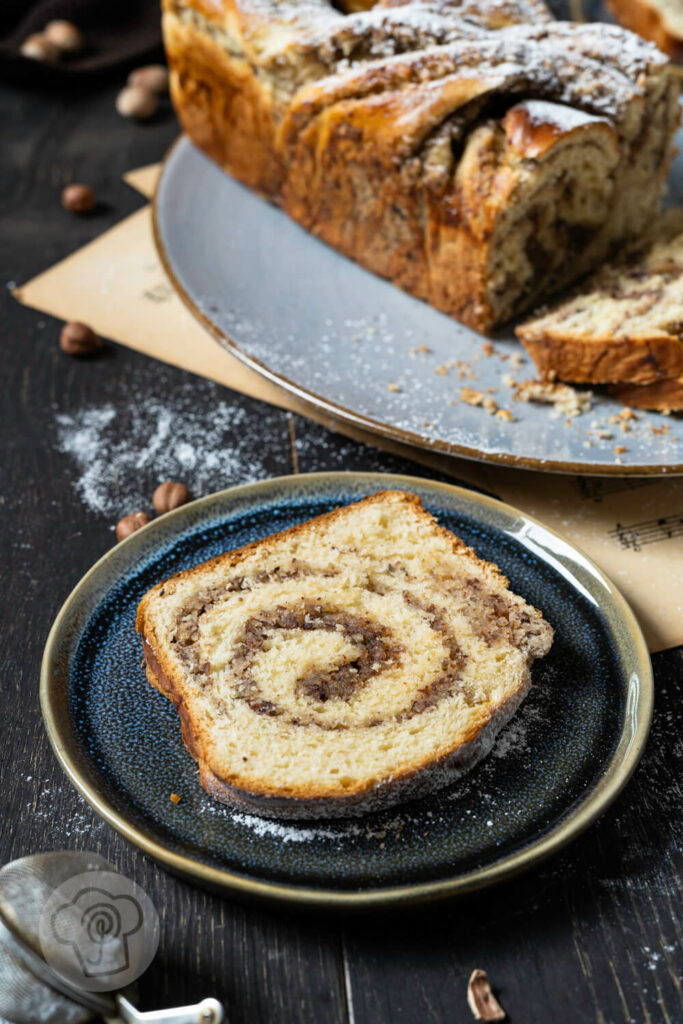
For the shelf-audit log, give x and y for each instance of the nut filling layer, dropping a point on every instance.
(375, 649)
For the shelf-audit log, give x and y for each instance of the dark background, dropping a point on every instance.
(593, 936)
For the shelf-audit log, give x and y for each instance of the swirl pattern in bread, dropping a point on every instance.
(347, 664)
(474, 152)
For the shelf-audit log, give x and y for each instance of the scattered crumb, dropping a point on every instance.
(175, 799)
(566, 399)
(478, 398)
(472, 397)
(393, 387)
(505, 414)
(488, 349)
(462, 367)
(620, 448)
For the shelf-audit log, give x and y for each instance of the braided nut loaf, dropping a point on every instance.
(474, 152)
(360, 659)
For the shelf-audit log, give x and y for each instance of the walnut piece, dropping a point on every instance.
(481, 999)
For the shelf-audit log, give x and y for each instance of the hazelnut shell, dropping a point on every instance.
(153, 77)
(65, 36)
(130, 523)
(169, 495)
(136, 102)
(77, 339)
(78, 198)
(37, 47)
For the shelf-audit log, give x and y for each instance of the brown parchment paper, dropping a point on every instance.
(632, 528)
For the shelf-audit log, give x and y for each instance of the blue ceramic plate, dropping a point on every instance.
(558, 764)
(348, 343)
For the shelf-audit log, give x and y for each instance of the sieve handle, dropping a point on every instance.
(209, 1011)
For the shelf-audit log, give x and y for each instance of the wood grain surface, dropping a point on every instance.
(593, 936)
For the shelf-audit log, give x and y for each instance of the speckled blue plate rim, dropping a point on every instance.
(548, 545)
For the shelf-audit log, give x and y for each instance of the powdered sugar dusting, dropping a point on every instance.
(121, 457)
(290, 833)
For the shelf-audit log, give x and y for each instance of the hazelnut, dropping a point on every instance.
(129, 524)
(170, 495)
(78, 198)
(78, 339)
(136, 102)
(65, 36)
(153, 77)
(38, 47)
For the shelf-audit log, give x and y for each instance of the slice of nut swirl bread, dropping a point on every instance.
(623, 326)
(354, 661)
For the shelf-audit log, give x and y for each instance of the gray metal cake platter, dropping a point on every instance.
(358, 349)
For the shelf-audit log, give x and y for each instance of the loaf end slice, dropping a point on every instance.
(624, 326)
(355, 661)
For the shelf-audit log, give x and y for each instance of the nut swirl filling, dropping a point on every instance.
(352, 649)
(376, 646)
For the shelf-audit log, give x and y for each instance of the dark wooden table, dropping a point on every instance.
(593, 936)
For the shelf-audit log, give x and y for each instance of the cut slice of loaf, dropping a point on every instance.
(625, 326)
(660, 21)
(354, 661)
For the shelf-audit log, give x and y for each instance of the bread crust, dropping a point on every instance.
(648, 21)
(603, 360)
(664, 395)
(223, 106)
(322, 799)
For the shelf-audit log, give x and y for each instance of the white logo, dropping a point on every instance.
(99, 931)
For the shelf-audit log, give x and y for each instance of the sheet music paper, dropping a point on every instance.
(632, 528)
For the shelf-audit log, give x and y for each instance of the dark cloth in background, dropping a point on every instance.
(119, 34)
